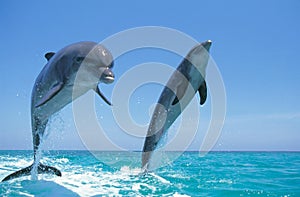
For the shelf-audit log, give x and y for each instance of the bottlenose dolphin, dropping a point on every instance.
(188, 78)
(55, 87)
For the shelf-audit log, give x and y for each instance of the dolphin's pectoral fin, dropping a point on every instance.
(202, 93)
(180, 91)
(97, 90)
(42, 169)
(176, 100)
(49, 55)
(50, 94)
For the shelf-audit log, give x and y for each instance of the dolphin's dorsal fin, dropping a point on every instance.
(50, 94)
(202, 92)
(49, 55)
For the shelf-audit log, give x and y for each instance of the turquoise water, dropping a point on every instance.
(118, 174)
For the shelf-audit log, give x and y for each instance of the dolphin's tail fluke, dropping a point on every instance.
(42, 169)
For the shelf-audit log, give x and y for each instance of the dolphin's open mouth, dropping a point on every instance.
(107, 79)
(107, 76)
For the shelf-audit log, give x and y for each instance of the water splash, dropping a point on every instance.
(216, 174)
(39, 152)
(38, 156)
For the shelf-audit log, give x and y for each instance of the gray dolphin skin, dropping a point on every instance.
(184, 83)
(55, 87)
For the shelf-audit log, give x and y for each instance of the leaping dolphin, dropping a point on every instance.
(55, 87)
(190, 74)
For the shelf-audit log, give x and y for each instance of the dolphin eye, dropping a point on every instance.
(111, 64)
(79, 59)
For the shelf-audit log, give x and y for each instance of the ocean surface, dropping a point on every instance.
(119, 174)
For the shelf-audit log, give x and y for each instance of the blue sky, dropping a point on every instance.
(255, 45)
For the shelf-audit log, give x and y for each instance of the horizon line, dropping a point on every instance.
(228, 151)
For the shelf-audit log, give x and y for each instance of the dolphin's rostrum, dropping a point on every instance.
(185, 82)
(55, 87)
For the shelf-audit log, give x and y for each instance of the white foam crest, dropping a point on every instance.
(137, 186)
(25, 194)
(14, 164)
(180, 195)
(161, 179)
(228, 181)
(130, 171)
(91, 183)
(178, 176)
(46, 159)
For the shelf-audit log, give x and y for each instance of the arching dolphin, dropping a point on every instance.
(188, 78)
(87, 62)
